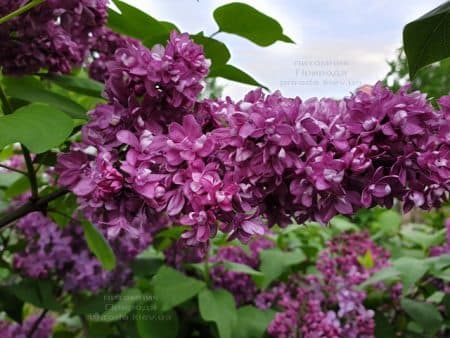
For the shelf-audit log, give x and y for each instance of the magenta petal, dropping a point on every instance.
(127, 137)
(176, 204)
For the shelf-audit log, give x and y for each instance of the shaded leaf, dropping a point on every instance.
(218, 306)
(99, 246)
(252, 322)
(38, 126)
(158, 325)
(425, 315)
(426, 40)
(31, 90)
(172, 288)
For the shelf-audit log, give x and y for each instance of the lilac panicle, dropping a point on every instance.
(241, 167)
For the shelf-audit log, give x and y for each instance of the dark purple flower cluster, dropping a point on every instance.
(106, 42)
(328, 305)
(54, 35)
(14, 330)
(113, 171)
(239, 284)
(242, 167)
(62, 253)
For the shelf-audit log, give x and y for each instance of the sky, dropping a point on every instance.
(339, 45)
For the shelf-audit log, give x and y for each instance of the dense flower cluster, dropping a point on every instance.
(328, 305)
(239, 284)
(105, 44)
(13, 330)
(51, 251)
(241, 167)
(54, 35)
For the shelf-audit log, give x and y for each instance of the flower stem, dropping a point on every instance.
(206, 269)
(36, 324)
(20, 11)
(13, 169)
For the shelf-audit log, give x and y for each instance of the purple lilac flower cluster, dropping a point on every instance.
(242, 167)
(54, 35)
(327, 305)
(443, 250)
(105, 44)
(62, 253)
(114, 172)
(14, 330)
(240, 285)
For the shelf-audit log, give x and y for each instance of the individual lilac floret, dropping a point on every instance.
(54, 35)
(13, 330)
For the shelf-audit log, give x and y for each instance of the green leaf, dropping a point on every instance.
(8, 178)
(426, 40)
(17, 188)
(146, 267)
(232, 73)
(252, 322)
(99, 246)
(343, 224)
(236, 267)
(425, 315)
(93, 305)
(423, 239)
(385, 274)
(136, 23)
(31, 89)
(409, 276)
(436, 297)
(38, 126)
(11, 304)
(444, 274)
(76, 84)
(172, 288)
(158, 325)
(118, 310)
(247, 22)
(214, 50)
(383, 329)
(40, 293)
(389, 221)
(366, 260)
(274, 262)
(218, 306)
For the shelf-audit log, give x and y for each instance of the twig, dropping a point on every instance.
(13, 169)
(36, 323)
(31, 206)
(215, 33)
(20, 10)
